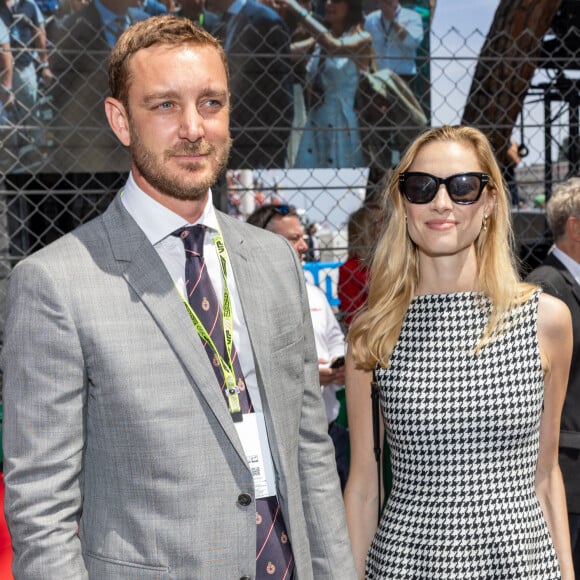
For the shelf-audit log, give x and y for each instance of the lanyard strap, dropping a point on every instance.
(227, 366)
(385, 31)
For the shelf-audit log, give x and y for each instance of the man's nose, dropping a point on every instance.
(191, 124)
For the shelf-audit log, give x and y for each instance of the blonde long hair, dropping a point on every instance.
(394, 268)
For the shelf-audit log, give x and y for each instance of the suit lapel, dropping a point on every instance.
(247, 275)
(147, 275)
(551, 260)
(573, 284)
(575, 288)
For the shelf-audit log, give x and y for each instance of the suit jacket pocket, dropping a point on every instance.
(285, 338)
(287, 364)
(110, 569)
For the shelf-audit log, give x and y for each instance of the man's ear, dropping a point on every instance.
(118, 120)
(573, 228)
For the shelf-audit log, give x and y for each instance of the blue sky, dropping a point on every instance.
(459, 29)
(458, 32)
(465, 16)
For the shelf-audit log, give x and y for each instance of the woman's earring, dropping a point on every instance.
(484, 223)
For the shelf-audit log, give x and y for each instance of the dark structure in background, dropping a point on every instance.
(53, 205)
(45, 201)
(559, 54)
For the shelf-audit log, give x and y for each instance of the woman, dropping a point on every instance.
(331, 136)
(363, 228)
(472, 367)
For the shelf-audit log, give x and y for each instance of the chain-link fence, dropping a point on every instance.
(61, 164)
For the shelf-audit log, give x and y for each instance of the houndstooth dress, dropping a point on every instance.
(463, 430)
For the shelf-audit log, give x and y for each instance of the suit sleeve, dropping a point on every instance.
(44, 401)
(550, 279)
(330, 548)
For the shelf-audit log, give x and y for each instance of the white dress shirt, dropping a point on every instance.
(158, 224)
(329, 340)
(390, 51)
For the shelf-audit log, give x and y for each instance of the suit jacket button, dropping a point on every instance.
(244, 499)
(246, 578)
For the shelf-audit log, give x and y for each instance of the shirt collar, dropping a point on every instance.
(157, 221)
(571, 265)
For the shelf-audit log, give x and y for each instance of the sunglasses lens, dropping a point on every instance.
(464, 188)
(420, 188)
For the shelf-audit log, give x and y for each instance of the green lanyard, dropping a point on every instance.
(226, 366)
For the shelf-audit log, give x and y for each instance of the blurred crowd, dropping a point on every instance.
(294, 69)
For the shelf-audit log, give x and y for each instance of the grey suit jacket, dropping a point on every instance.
(121, 460)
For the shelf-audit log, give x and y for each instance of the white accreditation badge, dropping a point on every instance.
(252, 434)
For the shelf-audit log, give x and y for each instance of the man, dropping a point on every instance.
(152, 7)
(512, 159)
(559, 275)
(257, 43)
(19, 93)
(193, 9)
(25, 22)
(48, 7)
(6, 71)
(397, 33)
(123, 457)
(83, 142)
(284, 221)
(313, 253)
(86, 158)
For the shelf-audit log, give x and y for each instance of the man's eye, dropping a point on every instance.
(165, 105)
(214, 104)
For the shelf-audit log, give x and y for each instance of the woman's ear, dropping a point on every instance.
(118, 120)
(491, 201)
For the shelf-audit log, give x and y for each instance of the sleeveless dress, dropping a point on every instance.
(463, 431)
(331, 136)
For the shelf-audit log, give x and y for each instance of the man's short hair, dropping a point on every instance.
(158, 30)
(262, 217)
(563, 203)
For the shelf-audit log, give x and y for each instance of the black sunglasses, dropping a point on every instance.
(462, 188)
(282, 210)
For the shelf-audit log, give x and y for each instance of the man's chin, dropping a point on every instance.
(196, 171)
(192, 191)
(191, 184)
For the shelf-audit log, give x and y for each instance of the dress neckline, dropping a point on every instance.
(458, 294)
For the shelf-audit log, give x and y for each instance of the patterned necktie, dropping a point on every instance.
(204, 302)
(273, 551)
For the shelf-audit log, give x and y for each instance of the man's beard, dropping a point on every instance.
(168, 183)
